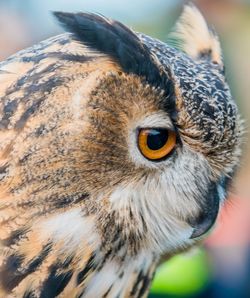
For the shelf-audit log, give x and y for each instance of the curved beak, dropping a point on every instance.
(208, 214)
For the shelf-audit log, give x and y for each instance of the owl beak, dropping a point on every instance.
(207, 216)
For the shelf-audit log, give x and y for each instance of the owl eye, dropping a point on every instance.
(156, 143)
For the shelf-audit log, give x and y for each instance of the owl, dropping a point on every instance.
(116, 149)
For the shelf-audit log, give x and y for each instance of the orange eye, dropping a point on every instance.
(156, 143)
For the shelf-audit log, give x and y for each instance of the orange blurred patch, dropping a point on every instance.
(233, 227)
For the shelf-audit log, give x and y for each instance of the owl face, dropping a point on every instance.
(157, 185)
(113, 145)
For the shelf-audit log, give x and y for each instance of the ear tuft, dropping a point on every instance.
(192, 35)
(114, 39)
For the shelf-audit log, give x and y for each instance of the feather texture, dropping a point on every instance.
(192, 35)
(116, 40)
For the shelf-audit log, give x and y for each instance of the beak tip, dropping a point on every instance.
(197, 233)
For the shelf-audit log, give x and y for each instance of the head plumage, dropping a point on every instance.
(112, 38)
(192, 35)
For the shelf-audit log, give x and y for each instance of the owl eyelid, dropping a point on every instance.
(172, 128)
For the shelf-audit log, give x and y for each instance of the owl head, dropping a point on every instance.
(162, 135)
(114, 137)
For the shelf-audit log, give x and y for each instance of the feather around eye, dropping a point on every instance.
(156, 144)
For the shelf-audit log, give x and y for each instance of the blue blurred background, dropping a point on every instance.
(222, 267)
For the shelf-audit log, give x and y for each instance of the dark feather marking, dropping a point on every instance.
(30, 83)
(205, 54)
(107, 292)
(23, 160)
(25, 116)
(59, 56)
(36, 262)
(57, 279)
(66, 201)
(145, 228)
(82, 274)
(28, 80)
(29, 294)
(121, 275)
(9, 272)
(4, 170)
(140, 277)
(8, 111)
(55, 283)
(14, 237)
(12, 273)
(145, 286)
(120, 244)
(117, 41)
(47, 86)
(75, 58)
(41, 130)
(106, 257)
(65, 264)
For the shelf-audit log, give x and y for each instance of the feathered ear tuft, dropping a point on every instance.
(192, 35)
(115, 40)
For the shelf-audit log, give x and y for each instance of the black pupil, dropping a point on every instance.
(157, 138)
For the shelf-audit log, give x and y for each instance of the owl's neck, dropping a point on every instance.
(129, 278)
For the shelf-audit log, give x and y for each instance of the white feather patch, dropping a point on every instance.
(72, 228)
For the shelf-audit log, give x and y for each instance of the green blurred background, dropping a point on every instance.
(222, 267)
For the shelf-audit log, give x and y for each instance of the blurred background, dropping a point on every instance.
(221, 268)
